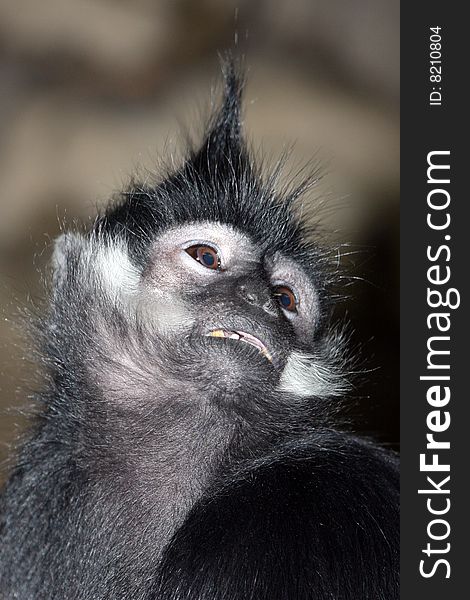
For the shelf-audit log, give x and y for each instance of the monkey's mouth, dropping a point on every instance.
(243, 337)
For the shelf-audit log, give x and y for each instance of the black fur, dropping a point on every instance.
(317, 521)
(175, 467)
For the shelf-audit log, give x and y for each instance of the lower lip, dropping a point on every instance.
(243, 337)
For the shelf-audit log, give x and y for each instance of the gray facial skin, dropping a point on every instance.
(237, 295)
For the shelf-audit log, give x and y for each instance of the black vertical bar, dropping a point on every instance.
(443, 126)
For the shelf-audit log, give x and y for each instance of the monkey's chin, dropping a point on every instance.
(222, 366)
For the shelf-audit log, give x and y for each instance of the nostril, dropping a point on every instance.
(251, 297)
(248, 296)
(261, 298)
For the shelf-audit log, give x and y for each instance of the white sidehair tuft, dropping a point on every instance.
(304, 375)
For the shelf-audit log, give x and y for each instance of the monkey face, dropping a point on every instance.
(225, 287)
(209, 309)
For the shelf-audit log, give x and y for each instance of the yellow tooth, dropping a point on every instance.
(217, 333)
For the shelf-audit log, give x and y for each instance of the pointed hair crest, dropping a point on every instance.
(219, 182)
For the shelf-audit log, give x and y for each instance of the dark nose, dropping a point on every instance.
(258, 294)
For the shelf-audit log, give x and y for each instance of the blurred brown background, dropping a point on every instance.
(91, 89)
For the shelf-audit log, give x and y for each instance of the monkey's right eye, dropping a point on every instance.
(206, 255)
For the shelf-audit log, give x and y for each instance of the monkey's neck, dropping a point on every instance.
(160, 461)
(103, 487)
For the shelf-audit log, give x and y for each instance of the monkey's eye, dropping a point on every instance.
(286, 298)
(206, 255)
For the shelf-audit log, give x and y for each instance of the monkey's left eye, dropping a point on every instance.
(206, 255)
(286, 298)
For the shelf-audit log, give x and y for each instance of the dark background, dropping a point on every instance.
(92, 89)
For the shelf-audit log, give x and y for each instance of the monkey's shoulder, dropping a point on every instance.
(319, 520)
